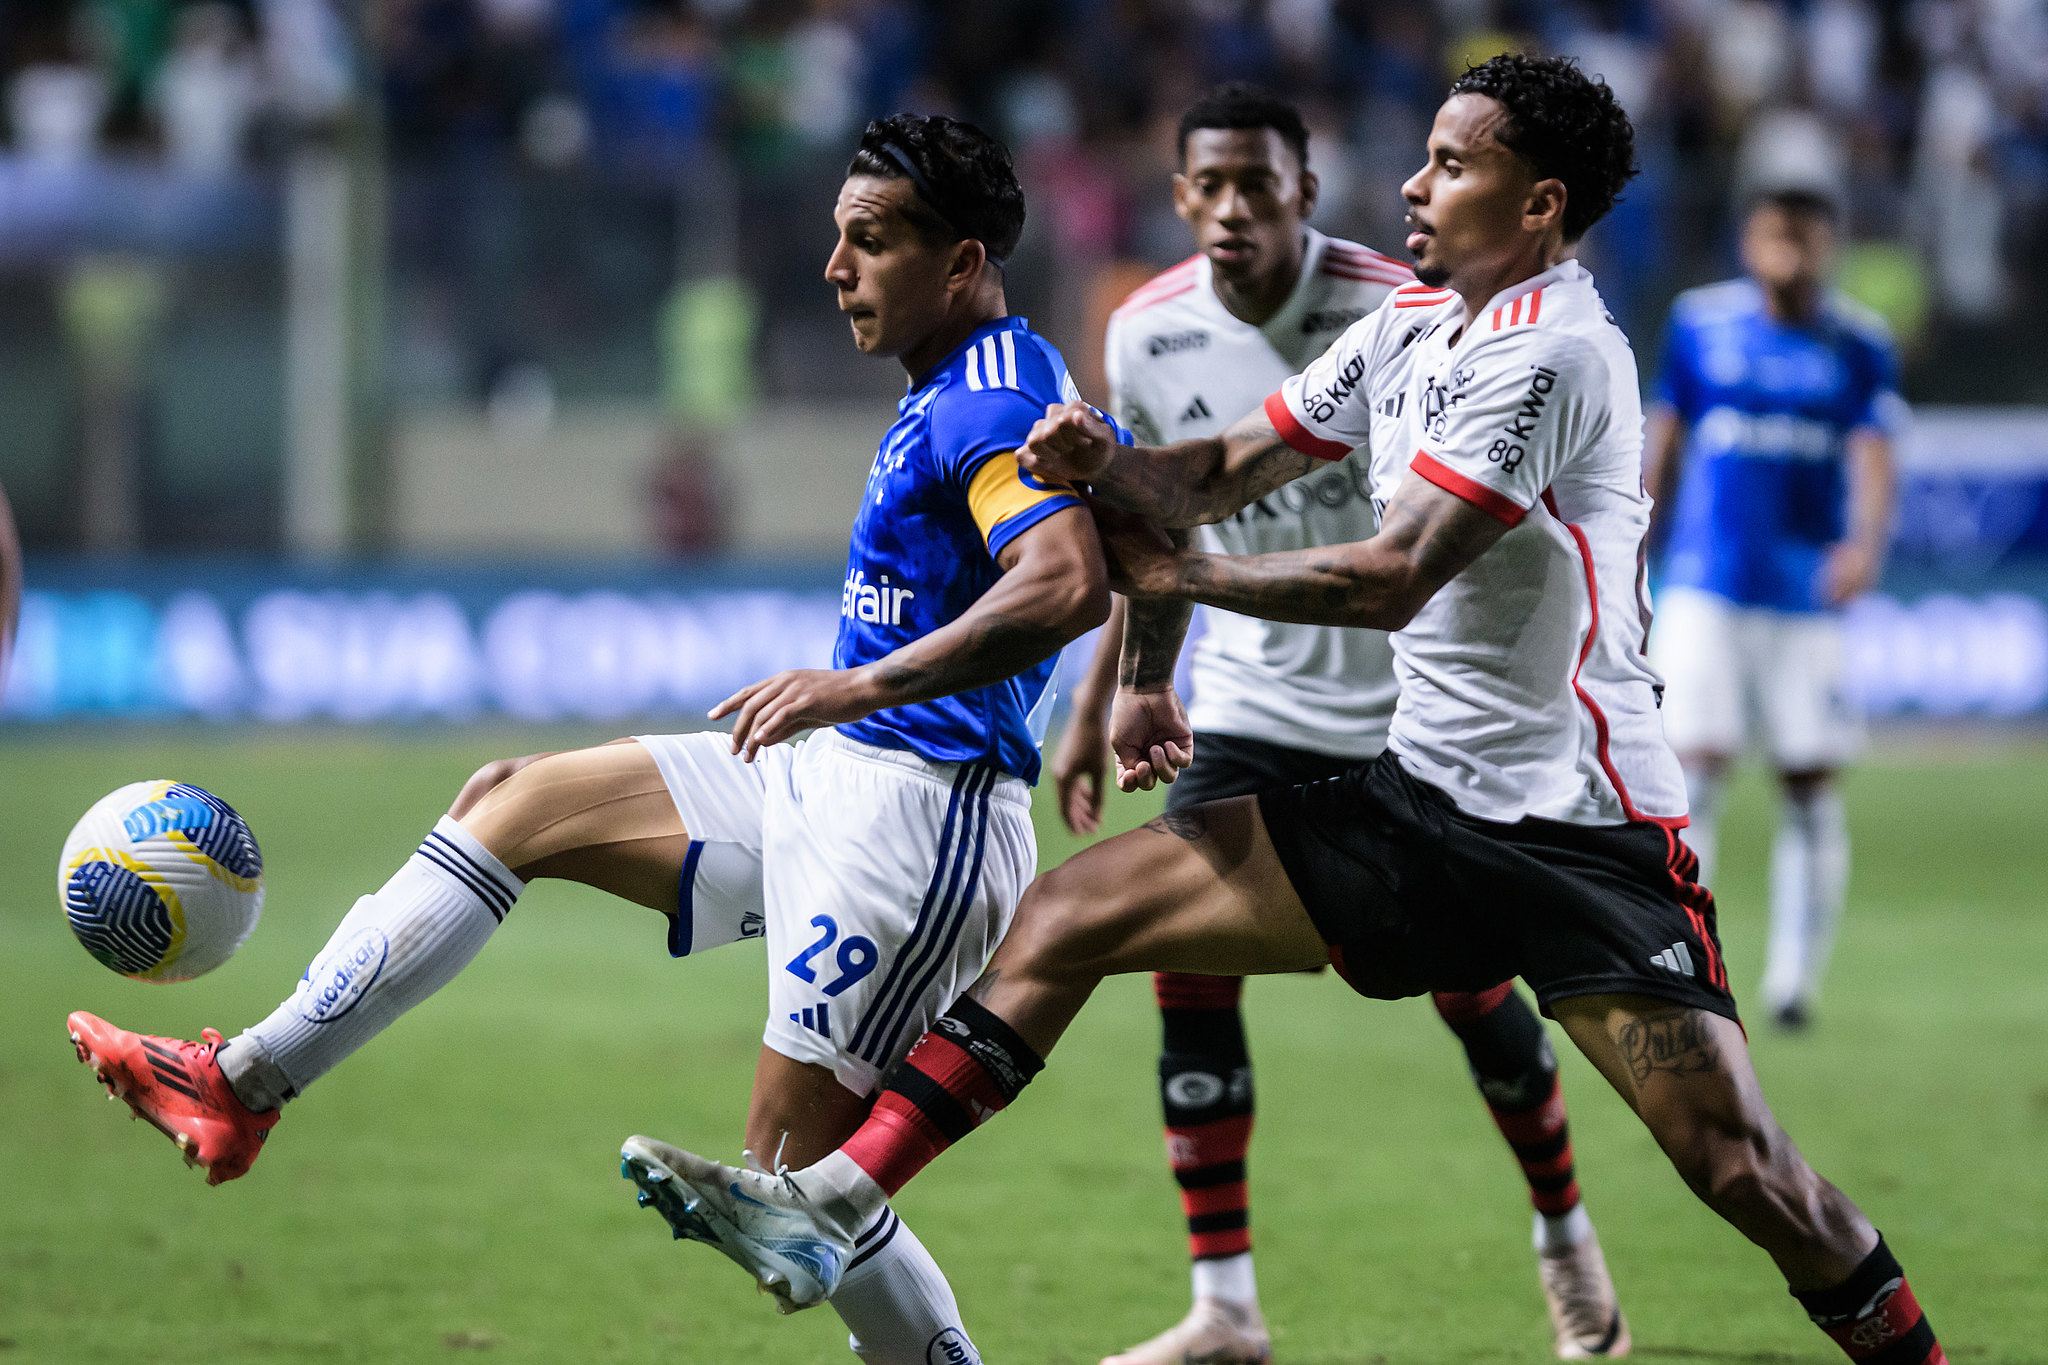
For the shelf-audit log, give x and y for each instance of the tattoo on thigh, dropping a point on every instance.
(1187, 825)
(984, 986)
(1677, 1041)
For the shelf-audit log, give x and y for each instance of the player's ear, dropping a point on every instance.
(1545, 208)
(1311, 186)
(1182, 192)
(969, 255)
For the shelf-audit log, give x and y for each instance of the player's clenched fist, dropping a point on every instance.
(1070, 444)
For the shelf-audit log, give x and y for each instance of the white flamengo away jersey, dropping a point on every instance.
(1182, 366)
(1524, 691)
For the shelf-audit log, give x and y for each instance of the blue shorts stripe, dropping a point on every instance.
(682, 926)
(922, 961)
(963, 907)
(926, 911)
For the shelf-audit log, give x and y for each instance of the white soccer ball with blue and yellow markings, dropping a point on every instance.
(161, 881)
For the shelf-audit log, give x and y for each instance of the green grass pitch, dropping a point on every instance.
(453, 1191)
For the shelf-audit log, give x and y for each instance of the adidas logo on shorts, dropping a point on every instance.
(817, 1020)
(1674, 959)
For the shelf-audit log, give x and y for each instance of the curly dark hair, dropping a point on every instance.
(1565, 124)
(966, 186)
(1240, 104)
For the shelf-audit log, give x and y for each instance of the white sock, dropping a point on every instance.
(1563, 1232)
(895, 1301)
(1703, 803)
(842, 1191)
(1228, 1278)
(390, 952)
(1809, 879)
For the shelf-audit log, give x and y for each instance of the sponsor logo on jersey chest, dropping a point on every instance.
(1174, 343)
(880, 603)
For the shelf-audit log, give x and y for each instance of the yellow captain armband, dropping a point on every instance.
(1003, 499)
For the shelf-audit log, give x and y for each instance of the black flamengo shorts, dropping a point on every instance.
(1231, 765)
(1413, 895)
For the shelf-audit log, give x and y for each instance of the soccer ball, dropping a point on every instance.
(161, 881)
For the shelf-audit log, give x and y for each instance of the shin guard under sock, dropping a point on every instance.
(1205, 1089)
(1873, 1315)
(1516, 1071)
(957, 1077)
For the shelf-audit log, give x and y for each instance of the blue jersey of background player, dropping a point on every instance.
(1767, 407)
(1778, 398)
(945, 496)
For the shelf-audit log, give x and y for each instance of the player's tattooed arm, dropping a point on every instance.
(1154, 628)
(1054, 587)
(1189, 483)
(1677, 1041)
(1427, 537)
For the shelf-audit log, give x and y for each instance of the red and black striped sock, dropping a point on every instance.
(1516, 1072)
(1873, 1315)
(1205, 1088)
(957, 1077)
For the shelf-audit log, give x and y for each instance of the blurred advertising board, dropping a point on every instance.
(1959, 629)
(275, 646)
(269, 642)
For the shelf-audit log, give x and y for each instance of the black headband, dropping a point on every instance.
(924, 191)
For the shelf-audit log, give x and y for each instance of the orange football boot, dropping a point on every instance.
(178, 1086)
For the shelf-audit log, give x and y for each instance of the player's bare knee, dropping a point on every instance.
(507, 814)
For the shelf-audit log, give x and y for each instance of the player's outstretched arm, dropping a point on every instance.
(1054, 587)
(1427, 537)
(1189, 483)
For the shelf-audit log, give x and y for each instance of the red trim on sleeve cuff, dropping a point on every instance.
(1495, 504)
(1300, 437)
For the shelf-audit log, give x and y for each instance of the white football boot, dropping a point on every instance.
(761, 1220)
(1583, 1308)
(1214, 1332)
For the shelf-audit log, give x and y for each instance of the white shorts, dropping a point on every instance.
(882, 881)
(1732, 671)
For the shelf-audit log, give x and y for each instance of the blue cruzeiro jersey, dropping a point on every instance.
(944, 497)
(1768, 408)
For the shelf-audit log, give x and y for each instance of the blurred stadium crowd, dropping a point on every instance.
(624, 199)
(478, 222)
